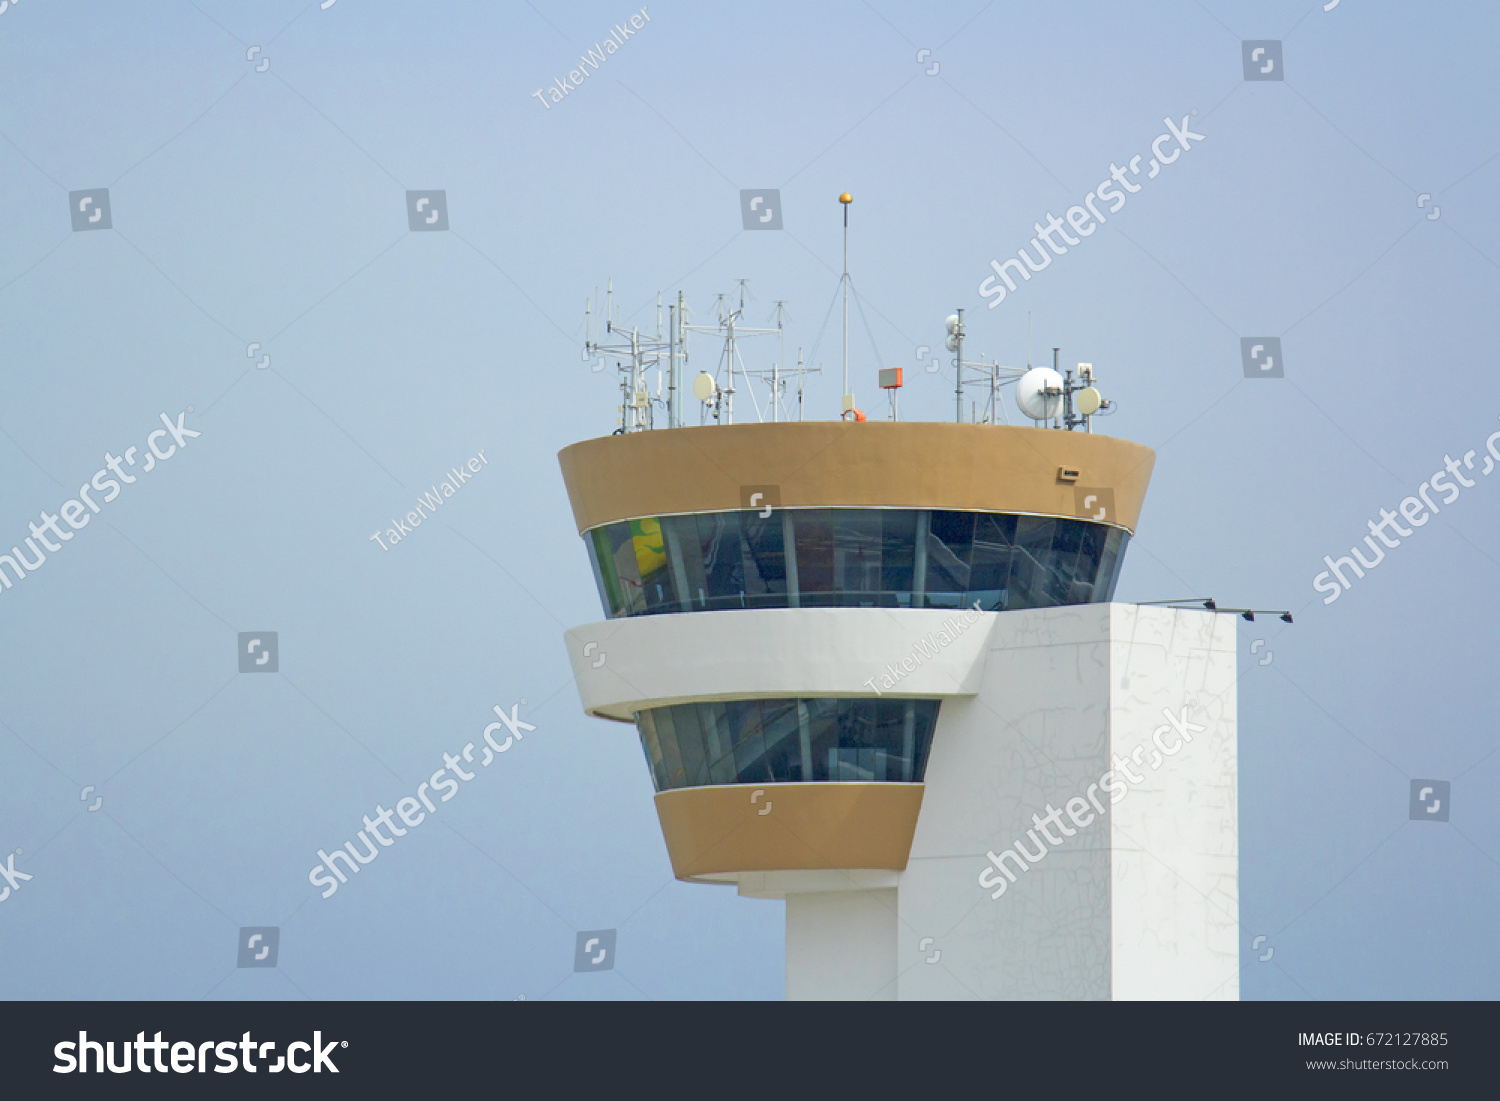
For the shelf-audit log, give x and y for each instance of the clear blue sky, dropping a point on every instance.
(268, 207)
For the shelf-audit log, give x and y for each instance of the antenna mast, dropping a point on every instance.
(995, 374)
(845, 199)
(634, 354)
(731, 362)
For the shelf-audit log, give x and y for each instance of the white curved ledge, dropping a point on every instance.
(626, 665)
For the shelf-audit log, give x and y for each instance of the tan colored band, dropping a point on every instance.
(784, 827)
(981, 468)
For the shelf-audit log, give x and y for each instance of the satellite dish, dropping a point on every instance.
(1031, 399)
(1088, 401)
(704, 387)
(951, 343)
(952, 322)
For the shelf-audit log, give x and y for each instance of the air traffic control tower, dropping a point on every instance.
(875, 671)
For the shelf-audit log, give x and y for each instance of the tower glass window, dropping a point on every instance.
(787, 740)
(852, 558)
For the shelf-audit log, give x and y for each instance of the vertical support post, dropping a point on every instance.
(800, 374)
(804, 741)
(789, 560)
(845, 281)
(958, 343)
(681, 351)
(1067, 417)
(909, 741)
(919, 568)
(674, 557)
(671, 366)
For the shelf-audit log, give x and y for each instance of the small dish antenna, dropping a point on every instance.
(704, 387)
(1039, 394)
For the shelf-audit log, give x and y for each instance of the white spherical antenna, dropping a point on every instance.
(952, 322)
(1088, 400)
(704, 387)
(1031, 398)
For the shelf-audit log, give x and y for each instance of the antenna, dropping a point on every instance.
(801, 372)
(635, 354)
(776, 383)
(672, 418)
(997, 375)
(1043, 394)
(731, 361)
(955, 344)
(1067, 392)
(681, 351)
(848, 404)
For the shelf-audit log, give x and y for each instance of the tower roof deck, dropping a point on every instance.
(824, 464)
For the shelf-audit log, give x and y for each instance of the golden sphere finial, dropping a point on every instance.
(846, 198)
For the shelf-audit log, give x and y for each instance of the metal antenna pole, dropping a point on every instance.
(636, 381)
(682, 347)
(671, 366)
(729, 354)
(780, 359)
(775, 389)
(799, 384)
(1067, 397)
(845, 199)
(846, 299)
(958, 335)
